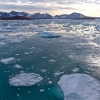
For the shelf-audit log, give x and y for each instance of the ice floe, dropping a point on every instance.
(48, 35)
(42, 90)
(50, 82)
(43, 70)
(25, 79)
(2, 43)
(15, 41)
(52, 60)
(17, 66)
(75, 69)
(59, 73)
(79, 87)
(7, 60)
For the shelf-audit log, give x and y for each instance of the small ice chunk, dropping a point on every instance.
(62, 41)
(79, 87)
(48, 35)
(14, 41)
(26, 53)
(17, 54)
(7, 60)
(28, 91)
(75, 70)
(79, 47)
(44, 57)
(59, 73)
(43, 70)
(25, 79)
(52, 60)
(18, 95)
(17, 66)
(42, 90)
(50, 82)
(2, 43)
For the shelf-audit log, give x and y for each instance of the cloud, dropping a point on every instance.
(52, 1)
(62, 6)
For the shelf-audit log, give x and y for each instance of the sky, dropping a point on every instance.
(53, 7)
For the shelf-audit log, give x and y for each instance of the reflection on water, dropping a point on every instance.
(76, 51)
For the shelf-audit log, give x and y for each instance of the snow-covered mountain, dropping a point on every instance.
(73, 15)
(70, 16)
(13, 13)
(63, 16)
(76, 15)
(40, 16)
(3, 14)
(35, 16)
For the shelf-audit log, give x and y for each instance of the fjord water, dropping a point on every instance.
(76, 50)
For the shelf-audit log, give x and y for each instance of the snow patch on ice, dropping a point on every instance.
(25, 79)
(7, 60)
(79, 87)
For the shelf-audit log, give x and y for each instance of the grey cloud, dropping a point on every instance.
(25, 7)
(53, 1)
(42, 5)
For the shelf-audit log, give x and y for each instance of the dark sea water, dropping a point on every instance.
(76, 51)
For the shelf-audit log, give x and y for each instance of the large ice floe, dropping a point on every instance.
(25, 79)
(48, 35)
(79, 87)
(7, 60)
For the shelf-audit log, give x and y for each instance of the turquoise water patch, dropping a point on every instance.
(56, 91)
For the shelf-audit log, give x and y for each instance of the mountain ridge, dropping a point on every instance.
(38, 15)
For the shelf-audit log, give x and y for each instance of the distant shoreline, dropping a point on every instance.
(27, 18)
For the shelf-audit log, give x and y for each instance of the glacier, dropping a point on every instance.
(79, 87)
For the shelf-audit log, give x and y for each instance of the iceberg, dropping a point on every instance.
(79, 87)
(25, 79)
(47, 35)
